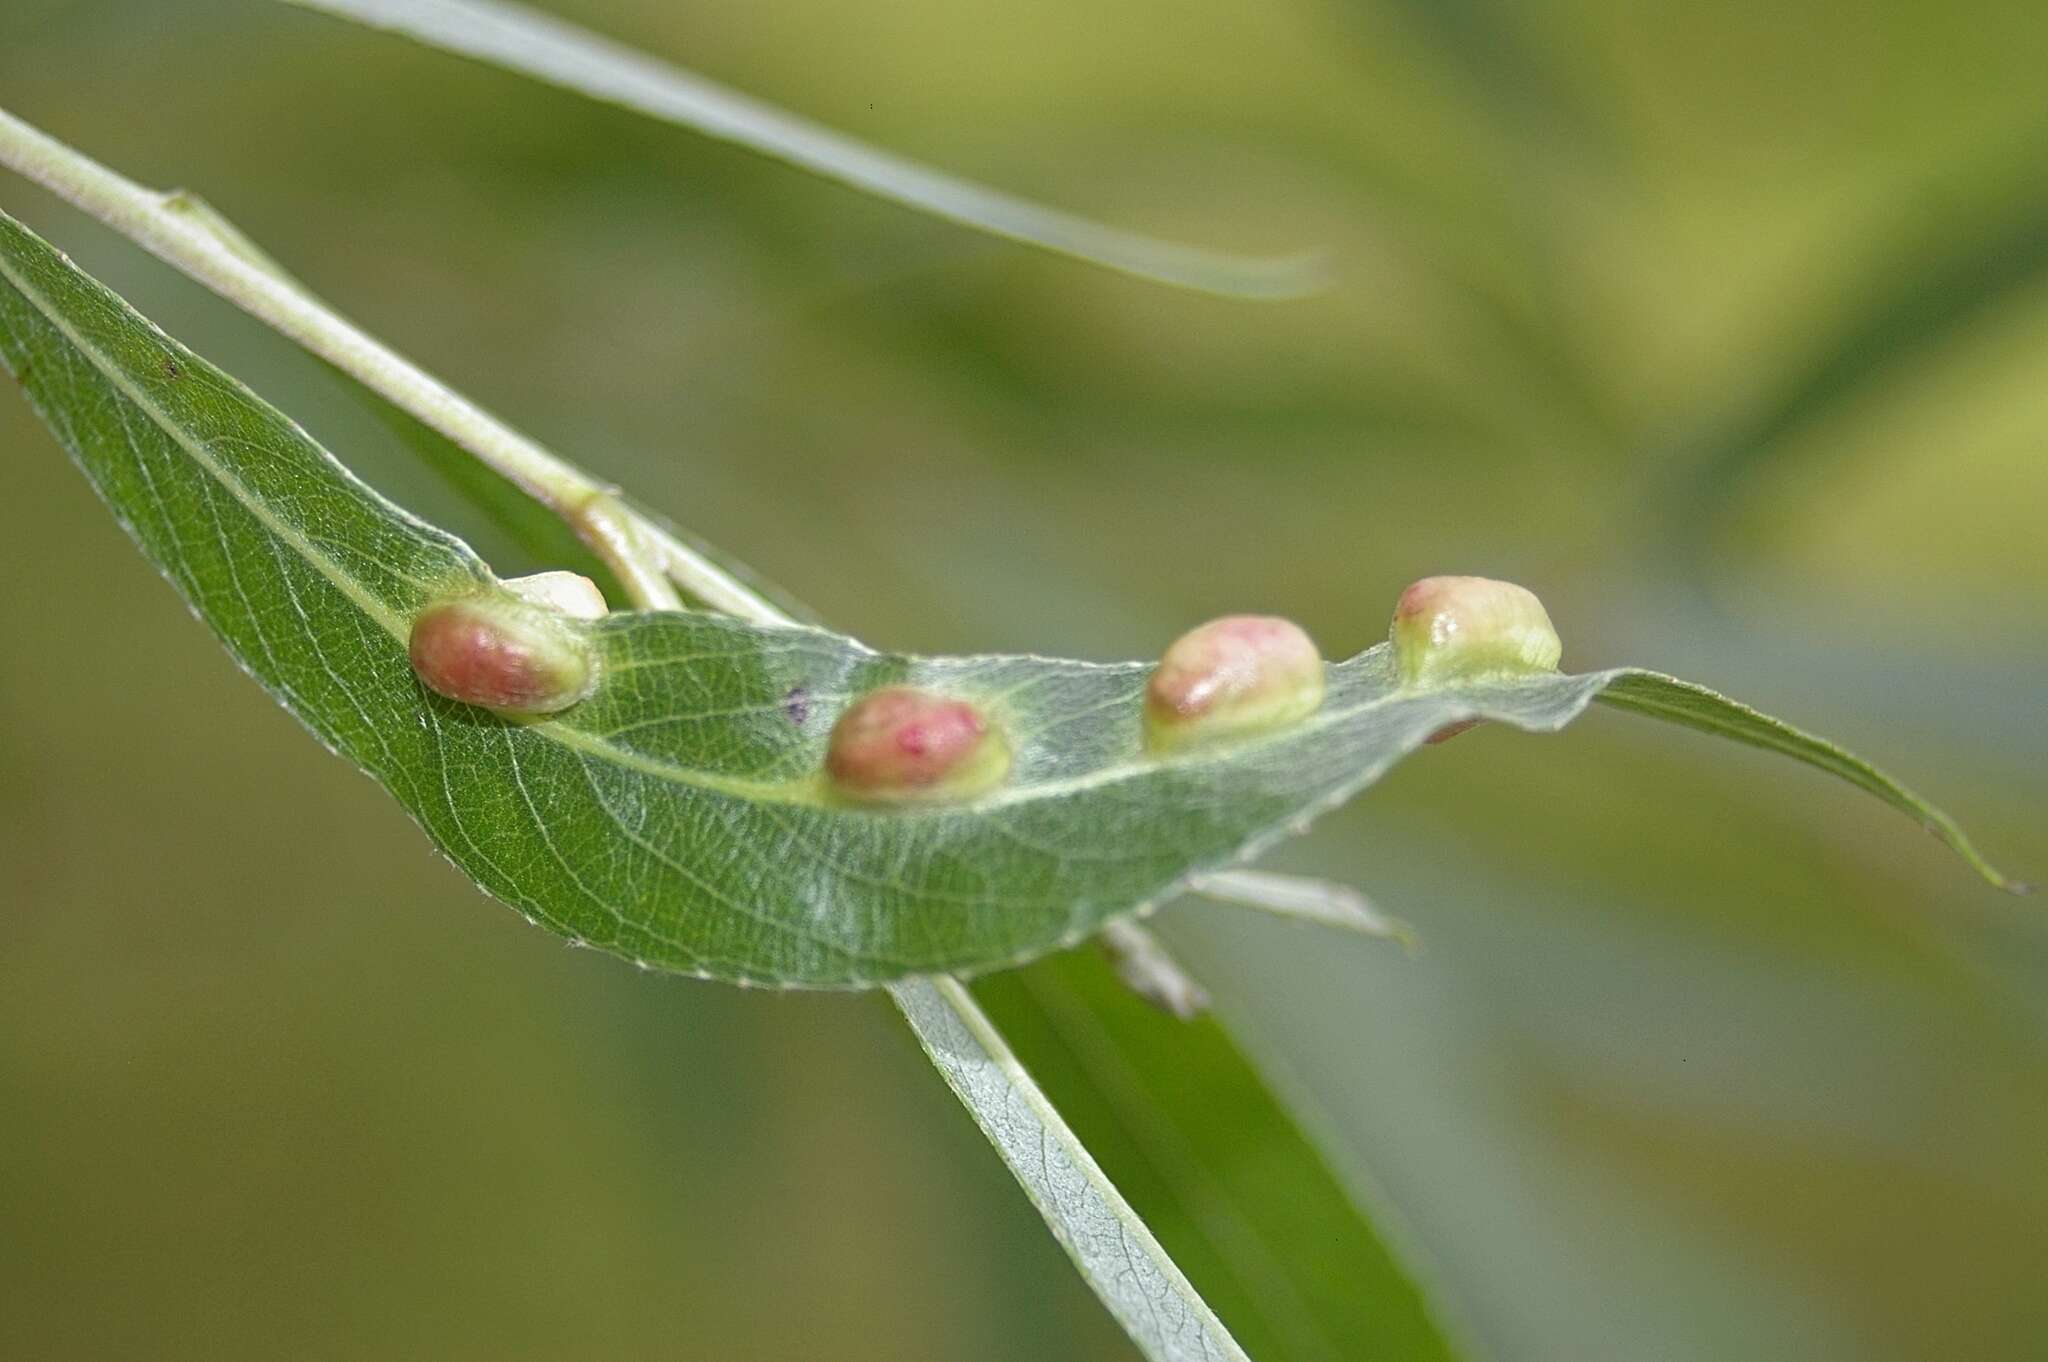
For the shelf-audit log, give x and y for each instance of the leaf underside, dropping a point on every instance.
(675, 818)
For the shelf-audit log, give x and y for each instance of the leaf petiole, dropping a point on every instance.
(1307, 900)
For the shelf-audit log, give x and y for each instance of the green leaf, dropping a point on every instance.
(547, 49)
(1108, 1241)
(676, 817)
(1219, 1170)
(1682, 702)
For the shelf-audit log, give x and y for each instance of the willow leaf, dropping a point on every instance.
(546, 48)
(1694, 706)
(1221, 1172)
(675, 817)
(1108, 1241)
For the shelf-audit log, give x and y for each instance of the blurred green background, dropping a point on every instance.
(1724, 327)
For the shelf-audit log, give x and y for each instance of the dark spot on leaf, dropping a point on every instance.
(171, 369)
(797, 705)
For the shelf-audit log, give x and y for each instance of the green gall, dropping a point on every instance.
(901, 745)
(1232, 677)
(569, 592)
(1468, 628)
(501, 653)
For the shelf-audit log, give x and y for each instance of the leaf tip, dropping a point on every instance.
(1270, 279)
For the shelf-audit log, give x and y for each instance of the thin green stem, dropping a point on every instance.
(1149, 970)
(1308, 900)
(618, 536)
(185, 233)
(546, 48)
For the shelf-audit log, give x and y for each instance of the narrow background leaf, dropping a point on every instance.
(1187, 1129)
(535, 44)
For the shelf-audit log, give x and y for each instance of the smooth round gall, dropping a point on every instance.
(901, 745)
(571, 593)
(502, 655)
(1469, 628)
(1232, 677)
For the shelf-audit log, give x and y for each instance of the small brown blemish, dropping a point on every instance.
(171, 369)
(1450, 731)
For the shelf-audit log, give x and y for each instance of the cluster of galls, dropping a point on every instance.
(1231, 678)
